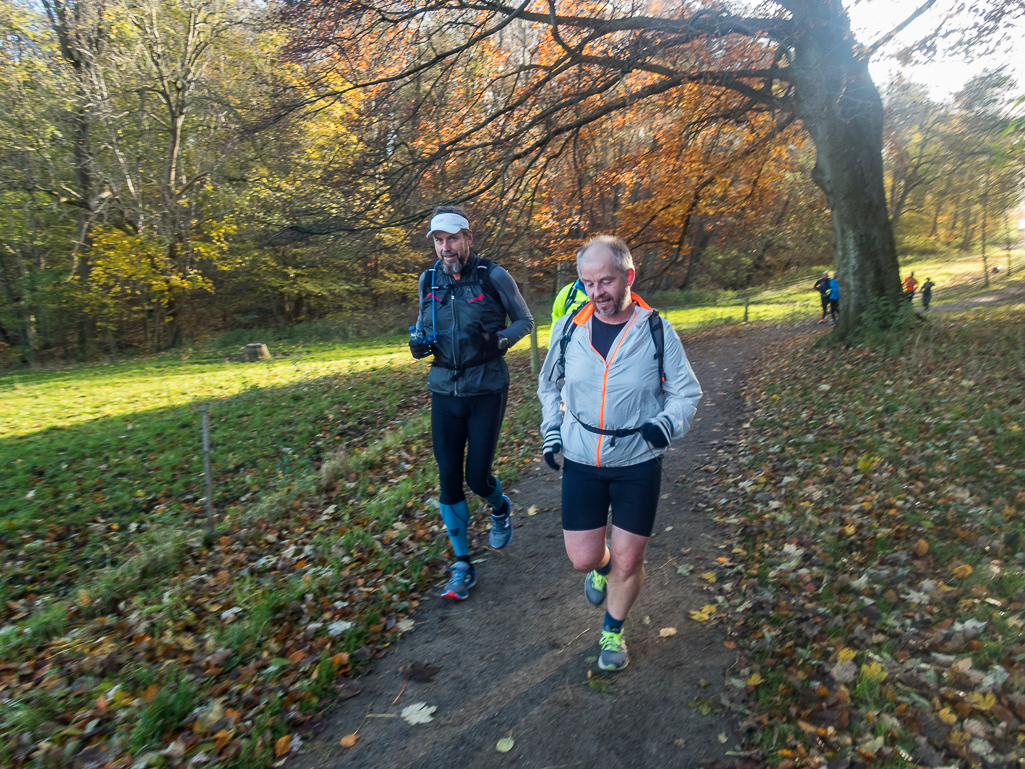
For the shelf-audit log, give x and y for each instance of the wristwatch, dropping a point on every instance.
(503, 342)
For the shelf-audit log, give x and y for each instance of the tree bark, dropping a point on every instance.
(843, 113)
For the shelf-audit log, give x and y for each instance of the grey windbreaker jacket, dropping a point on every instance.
(621, 393)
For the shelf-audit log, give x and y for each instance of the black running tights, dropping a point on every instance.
(466, 424)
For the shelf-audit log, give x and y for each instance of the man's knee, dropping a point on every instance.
(586, 561)
(480, 484)
(627, 564)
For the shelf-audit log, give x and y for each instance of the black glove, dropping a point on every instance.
(419, 349)
(657, 431)
(489, 342)
(489, 339)
(552, 446)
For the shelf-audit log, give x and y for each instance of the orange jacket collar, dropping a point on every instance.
(585, 314)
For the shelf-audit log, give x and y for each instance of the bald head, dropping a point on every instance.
(606, 269)
(610, 247)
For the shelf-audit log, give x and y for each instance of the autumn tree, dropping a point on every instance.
(793, 59)
(126, 114)
(952, 166)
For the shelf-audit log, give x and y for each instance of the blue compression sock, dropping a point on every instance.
(612, 624)
(457, 519)
(495, 499)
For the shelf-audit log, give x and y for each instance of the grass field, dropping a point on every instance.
(131, 615)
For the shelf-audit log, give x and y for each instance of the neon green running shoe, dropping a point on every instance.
(595, 587)
(613, 651)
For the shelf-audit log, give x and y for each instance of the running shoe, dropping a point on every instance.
(595, 587)
(613, 651)
(501, 526)
(464, 576)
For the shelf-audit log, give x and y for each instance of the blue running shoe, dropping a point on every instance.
(613, 651)
(464, 576)
(596, 586)
(501, 526)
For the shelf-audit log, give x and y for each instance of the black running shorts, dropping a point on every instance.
(632, 491)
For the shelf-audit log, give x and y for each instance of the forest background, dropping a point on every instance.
(173, 170)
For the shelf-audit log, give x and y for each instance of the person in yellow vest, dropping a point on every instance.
(571, 297)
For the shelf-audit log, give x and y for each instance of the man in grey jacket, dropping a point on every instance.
(464, 301)
(606, 407)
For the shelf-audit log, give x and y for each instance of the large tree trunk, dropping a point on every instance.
(843, 113)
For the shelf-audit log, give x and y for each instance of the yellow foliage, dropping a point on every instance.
(963, 571)
(873, 673)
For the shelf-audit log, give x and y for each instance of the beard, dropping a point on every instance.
(619, 303)
(456, 267)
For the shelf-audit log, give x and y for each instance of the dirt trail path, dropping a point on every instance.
(1012, 293)
(514, 658)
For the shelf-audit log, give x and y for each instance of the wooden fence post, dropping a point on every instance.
(206, 469)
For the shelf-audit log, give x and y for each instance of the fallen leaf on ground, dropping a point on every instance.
(348, 689)
(348, 740)
(874, 672)
(703, 614)
(418, 713)
(282, 746)
(963, 571)
(532, 510)
(708, 576)
(505, 744)
(421, 672)
(844, 672)
(667, 632)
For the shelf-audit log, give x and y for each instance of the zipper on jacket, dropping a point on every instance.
(455, 336)
(605, 379)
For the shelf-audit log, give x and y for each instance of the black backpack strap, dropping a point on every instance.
(484, 267)
(428, 283)
(567, 333)
(572, 295)
(659, 338)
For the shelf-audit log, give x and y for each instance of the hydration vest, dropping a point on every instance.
(456, 314)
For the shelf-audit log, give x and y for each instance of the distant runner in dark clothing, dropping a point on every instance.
(822, 286)
(927, 293)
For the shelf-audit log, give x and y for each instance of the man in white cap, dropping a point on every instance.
(464, 301)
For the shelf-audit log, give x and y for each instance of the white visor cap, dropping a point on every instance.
(447, 222)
